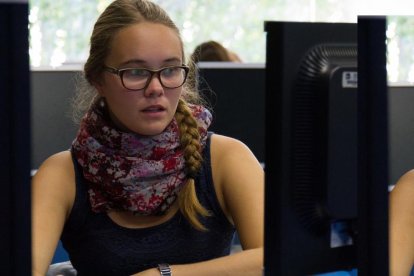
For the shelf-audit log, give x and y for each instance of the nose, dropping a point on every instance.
(154, 87)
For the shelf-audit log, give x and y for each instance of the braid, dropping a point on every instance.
(190, 142)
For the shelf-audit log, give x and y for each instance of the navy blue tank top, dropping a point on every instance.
(98, 246)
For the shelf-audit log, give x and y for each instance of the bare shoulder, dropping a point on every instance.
(402, 195)
(224, 147)
(408, 176)
(229, 155)
(239, 183)
(401, 211)
(55, 178)
(233, 165)
(405, 184)
(57, 164)
(53, 194)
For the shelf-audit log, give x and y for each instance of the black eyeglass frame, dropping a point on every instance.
(121, 71)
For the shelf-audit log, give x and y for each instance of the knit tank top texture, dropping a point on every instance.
(98, 246)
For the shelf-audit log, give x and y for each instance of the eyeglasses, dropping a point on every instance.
(139, 78)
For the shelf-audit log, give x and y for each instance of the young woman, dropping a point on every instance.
(145, 189)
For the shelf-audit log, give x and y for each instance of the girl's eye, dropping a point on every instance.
(136, 73)
(170, 71)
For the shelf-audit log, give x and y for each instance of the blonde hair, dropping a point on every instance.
(120, 14)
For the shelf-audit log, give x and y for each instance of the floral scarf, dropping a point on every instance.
(127, 171)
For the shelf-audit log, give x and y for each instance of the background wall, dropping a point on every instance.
(52, 127)
(401, 130)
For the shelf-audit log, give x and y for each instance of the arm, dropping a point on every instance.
(239, 182)
(402, 226)
(53, 192)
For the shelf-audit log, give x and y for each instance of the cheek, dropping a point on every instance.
(109, 84)
(174, 96)
(119, 100)
(123, 111)
(122, 101)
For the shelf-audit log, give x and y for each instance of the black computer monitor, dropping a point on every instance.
(373, 173)
(235, 92)
(15, 245)
(326, 190)
(311, 141)
(15, 257)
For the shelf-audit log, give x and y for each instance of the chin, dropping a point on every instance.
(150, 131)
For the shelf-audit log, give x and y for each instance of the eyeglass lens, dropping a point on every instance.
(137, 78)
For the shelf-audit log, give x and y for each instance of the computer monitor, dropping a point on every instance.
(15, 244)
(324, 137)
(311, 142)
(235, 92)
(373, 173)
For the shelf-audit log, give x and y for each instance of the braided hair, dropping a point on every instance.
(190, 143)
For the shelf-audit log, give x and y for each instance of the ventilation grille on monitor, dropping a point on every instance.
(310, 97)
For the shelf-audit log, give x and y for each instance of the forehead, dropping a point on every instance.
(145, 42)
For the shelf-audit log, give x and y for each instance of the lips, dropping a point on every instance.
(154, 108)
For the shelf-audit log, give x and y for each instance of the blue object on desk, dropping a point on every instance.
(353, 272)
(60, 254)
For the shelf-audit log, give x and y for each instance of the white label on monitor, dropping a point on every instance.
(349, 79)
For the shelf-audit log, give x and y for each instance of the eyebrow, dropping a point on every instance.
(141, 62)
